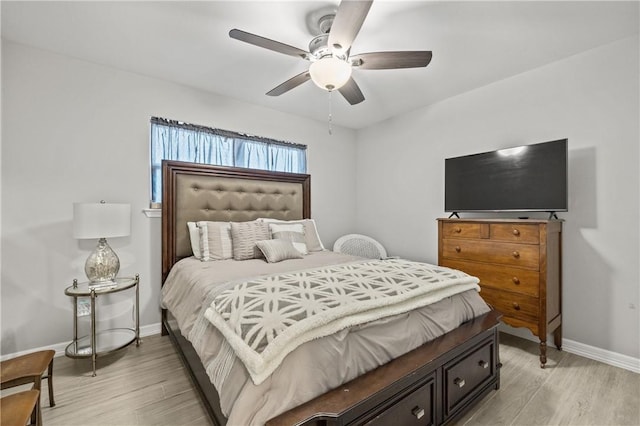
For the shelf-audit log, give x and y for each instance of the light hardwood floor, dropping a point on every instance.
(148, 385)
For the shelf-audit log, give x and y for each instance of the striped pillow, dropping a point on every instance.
(194, 237)
(215, 240)
(278, 250)
(310, 231)
(290, 232)
(244, 236)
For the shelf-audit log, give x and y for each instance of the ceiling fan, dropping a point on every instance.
(330, 53)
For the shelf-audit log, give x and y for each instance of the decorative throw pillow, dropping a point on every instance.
(290, 232)
(312, 238)
(194, 237)
(278, 250)
(215, 240)
(244, 236)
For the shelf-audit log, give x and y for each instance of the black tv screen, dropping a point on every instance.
(524, 178)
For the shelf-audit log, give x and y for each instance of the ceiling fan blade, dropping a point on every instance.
(267, 43)
(290, 84)
(347, 23)
(391, 60)
(351, 92)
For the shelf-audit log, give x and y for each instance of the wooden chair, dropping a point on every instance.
(26, 369)
(17, 408)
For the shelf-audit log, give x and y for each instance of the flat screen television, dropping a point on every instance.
(521, 179)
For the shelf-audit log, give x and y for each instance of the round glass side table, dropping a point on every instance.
(102, 342)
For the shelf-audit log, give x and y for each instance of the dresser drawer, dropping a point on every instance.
(522, 255)
(465, 376)
(461, 230)
(515, 232)
(518, 280)
(512, 305)
(416, 408)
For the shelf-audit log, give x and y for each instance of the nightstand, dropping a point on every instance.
(101, 342)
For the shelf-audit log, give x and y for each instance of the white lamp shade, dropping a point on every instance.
(101, 220)
(330, 73)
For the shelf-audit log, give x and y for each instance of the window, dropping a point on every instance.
(174, 140)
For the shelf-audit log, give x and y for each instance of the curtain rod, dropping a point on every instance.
(222, 132)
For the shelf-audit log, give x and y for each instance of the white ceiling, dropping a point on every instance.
(474, 44)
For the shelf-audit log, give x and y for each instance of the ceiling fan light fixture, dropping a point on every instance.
(330, 73)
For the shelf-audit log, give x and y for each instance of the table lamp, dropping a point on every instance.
(101, 220)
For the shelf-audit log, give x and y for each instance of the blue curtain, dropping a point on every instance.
(283, 158)
(201, 145)
(252, 154)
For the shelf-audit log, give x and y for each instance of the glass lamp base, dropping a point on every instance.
(103, 264)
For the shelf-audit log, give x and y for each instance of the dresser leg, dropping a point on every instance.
(543, 353)
(557, 337)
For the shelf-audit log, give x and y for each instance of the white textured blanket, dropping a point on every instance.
(264, 319)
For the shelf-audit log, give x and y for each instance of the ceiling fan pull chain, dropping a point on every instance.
(330, 118)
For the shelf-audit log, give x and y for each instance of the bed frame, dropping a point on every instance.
(431, 385)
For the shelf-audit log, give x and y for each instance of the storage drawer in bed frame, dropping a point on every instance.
(416, 406)
(465, 375)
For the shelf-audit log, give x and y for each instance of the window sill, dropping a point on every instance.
(152, 212)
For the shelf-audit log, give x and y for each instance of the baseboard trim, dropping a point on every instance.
(602, 355)
(146, 330)
(597, 354)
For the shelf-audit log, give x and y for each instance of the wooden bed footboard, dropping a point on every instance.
(431, 385)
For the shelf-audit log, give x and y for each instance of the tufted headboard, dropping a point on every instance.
(193, 192)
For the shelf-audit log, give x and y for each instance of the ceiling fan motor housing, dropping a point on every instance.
(319, 45)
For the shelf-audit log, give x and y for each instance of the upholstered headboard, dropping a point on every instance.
(193, 192)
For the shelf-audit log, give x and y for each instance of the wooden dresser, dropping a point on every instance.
(518, 262)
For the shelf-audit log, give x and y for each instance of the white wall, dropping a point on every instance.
(74, 131)
(591, 99)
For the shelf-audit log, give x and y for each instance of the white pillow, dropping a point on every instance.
(293, 232)
(278, 250)
(310, 232)
(194, 237)
(215, 240)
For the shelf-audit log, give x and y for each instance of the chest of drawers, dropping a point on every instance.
(518, 262)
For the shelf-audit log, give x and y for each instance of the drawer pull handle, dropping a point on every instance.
(458, 249)
(457, 230)
(516, 254)
(483, 364)
(516, 232)
(459, 382)
(516, 280)
(418, 412)
(516, 306)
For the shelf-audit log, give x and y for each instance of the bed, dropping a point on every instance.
(430, 376)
